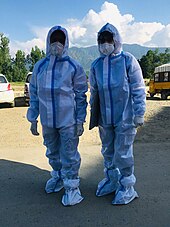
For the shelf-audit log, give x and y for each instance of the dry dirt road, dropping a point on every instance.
(24, 171)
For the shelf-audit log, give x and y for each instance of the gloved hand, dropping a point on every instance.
(138, 121)
(80, 129)
(33, 129)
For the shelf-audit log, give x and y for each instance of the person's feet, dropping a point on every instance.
(125, 192)
(72, 195)
(55, 183)
(124, 195)
(109, 184)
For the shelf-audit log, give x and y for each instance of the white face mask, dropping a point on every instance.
(56, 49)
(106, 48)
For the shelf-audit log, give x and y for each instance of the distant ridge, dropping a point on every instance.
(86, 55)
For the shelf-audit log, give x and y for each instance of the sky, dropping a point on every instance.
(26, 23)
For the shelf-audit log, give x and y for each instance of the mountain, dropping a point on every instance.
(138, 51)
(86, 55)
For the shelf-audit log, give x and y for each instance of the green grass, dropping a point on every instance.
(17, 83)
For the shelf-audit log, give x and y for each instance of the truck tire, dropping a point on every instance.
(163, 95)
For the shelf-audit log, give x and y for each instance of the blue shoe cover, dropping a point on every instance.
(54, 184)
(72, 194)
(109, 184)
(124, 195)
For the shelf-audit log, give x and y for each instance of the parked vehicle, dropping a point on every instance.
(26, 88)
(161, 81)
(6, 92)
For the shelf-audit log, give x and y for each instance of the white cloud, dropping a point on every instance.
(160, 38)
(26, 46)
(40, 34)
(139, 32)
(92, 23)
(84, 32)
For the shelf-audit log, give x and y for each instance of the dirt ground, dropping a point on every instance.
(25, 170)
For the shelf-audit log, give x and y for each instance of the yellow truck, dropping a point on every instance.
(160, 84)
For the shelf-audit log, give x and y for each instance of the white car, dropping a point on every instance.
(6, 92)
(26, 88)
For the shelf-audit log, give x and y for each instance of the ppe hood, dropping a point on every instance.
(116, 36)
(65, 51)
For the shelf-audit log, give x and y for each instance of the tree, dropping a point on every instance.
(153, 59)
(35, 55)
(19, 67)
(165, 57)
(5, 59)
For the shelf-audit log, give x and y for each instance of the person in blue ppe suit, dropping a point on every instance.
(117, 79)
(58, 94)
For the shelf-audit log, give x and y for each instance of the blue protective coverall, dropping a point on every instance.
(57, 94)
(119, 82)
